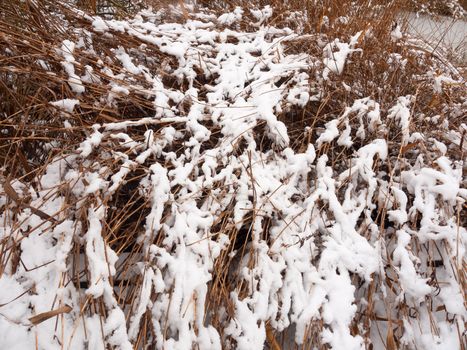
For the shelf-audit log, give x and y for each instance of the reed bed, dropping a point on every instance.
(150, 198)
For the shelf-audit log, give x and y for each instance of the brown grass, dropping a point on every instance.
(30, 125)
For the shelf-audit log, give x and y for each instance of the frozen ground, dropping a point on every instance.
(440, 32)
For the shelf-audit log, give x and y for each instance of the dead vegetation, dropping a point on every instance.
(33, 136)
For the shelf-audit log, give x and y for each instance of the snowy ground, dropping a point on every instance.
(440, 32)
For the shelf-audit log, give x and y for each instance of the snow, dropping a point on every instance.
(99, 25)
(91, 142)
(126, 61)
(263, 14)
(201, 155)
(396, 33)
(231, 17)
(67, 104)
(74, 80)
(401, 113)
(335, 55)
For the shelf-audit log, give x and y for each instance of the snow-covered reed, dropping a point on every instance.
(211, 181)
